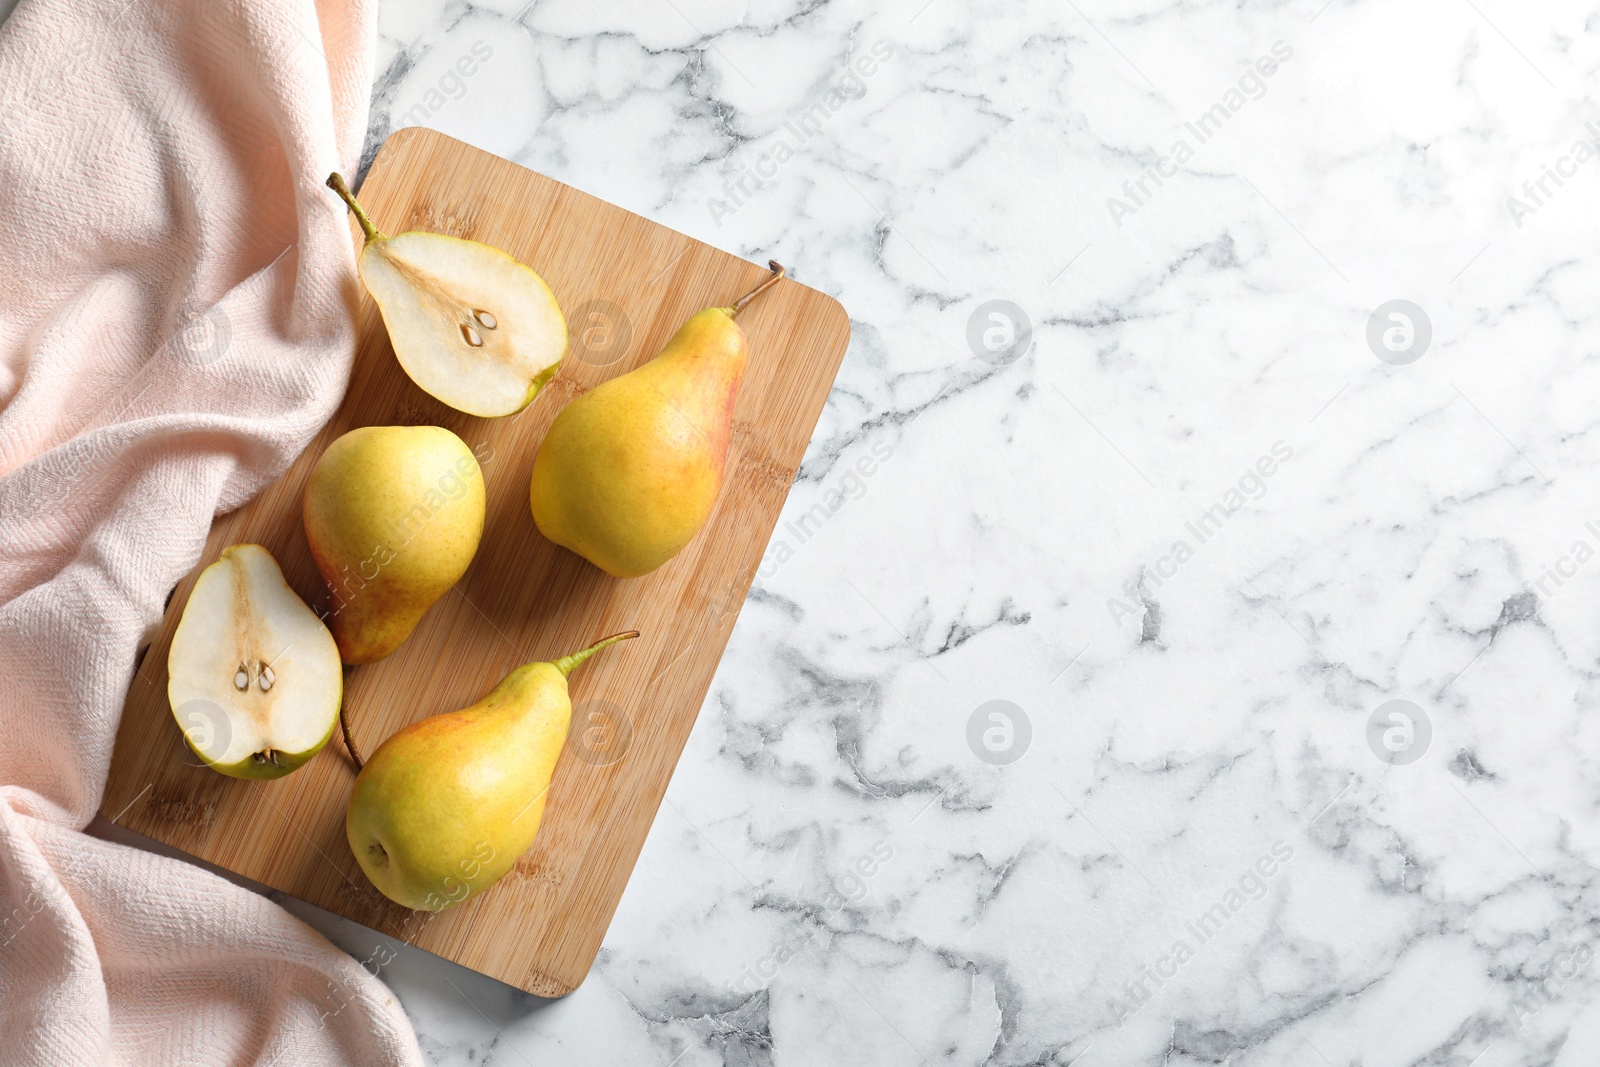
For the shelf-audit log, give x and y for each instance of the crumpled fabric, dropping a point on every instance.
(176, 297)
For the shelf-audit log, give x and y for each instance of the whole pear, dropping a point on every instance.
(446, 806)
(393, 515)
(629, 472)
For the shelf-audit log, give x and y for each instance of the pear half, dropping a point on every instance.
(470, 325)
(253, 675)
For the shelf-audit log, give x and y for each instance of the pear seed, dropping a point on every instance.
(267, 677)
(241, 678)
(473, 337)
(486, 320)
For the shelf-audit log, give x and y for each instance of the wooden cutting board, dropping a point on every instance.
(625, 284)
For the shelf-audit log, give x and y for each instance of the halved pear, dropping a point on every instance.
(253, 676)
(470, 324)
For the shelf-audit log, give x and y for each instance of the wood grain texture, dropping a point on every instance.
(524, 598)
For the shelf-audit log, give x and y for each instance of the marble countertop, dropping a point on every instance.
(1191, 654)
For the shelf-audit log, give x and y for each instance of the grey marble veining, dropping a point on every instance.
(1191, 659)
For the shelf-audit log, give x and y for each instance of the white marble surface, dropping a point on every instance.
(1199, 858)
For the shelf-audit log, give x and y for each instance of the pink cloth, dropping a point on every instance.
(175, 294)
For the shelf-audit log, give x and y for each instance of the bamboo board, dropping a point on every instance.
(523, 598)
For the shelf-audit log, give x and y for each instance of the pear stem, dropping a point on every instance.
(567, 664)
(336, 183)
(349, 741)
(744, 301)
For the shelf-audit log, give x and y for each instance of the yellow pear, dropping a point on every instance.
(470, 325)
(446, 806)
(253, 676)
(393, 515)
(629, 471)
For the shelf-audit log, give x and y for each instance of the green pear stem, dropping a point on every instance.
(567, 664)
(744, 301)
(336, 183)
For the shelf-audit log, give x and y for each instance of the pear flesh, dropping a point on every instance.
(393, 515)
(253, 675)
(444, 808)
(472, 326)
(630, 471)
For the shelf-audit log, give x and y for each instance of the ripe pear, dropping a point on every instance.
(393, 514)
(628, 472)
(470, 325)
(253, 676)
(446, 806)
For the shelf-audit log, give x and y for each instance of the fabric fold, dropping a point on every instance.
(176, 289)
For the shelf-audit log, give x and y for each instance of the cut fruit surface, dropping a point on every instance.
(470, 325)
(254, 676)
